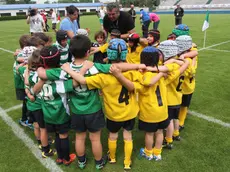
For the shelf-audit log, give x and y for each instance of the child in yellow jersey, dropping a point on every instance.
(114, 34)
(135, 47)
(120, 103)
(185, 47)
(173, 82)
(153, 116)
(153, 38)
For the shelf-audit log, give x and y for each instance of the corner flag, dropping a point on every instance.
(206, 22)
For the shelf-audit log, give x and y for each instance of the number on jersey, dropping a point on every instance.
(124, 96)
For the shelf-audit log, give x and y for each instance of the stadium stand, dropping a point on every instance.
(168, 2)
(220, 2)
(193, 2)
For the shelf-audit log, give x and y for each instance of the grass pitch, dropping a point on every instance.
(204, 145)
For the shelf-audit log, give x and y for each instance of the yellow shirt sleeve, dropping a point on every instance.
(172, 76)
(95, 81)
(104, 47)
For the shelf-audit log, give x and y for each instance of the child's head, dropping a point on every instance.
(100, 37)
(115, 33)
(184, 43)
(36, 42)
(169, 49)
(50, 57)
(117, 50)
(133, 41)
(80, 46)
(61, 37)
(181, 29)
(153, 36)
(172, 37)
(82, 32)
(24, 40)
(34, 62)
(27, 51)
(150, 56)
(44, 37)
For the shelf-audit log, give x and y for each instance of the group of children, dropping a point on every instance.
(141, 78)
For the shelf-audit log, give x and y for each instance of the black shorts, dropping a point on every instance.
(37, 116)
(53, 25)
(58, 128)
(186, 100)
(20, 94)
(114, 126)
(153, 127)
(92, 122)
(173, 112)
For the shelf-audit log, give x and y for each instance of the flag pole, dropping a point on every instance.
(204, 39)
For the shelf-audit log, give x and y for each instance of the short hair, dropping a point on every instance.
(51, 9)
(111, 6)
(50, 56)
(34, 62)
(24, 41)
(35, 41)
(71, 9)
(43, 37)
(79, 46)
(99, 33)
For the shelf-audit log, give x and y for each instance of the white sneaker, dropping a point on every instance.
(157, 157)
(142, 154)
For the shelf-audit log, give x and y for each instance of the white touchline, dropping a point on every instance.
(3, 49)
(13, 108)
(214, 45)
(46, 162)
(210, 119)
(224, 51)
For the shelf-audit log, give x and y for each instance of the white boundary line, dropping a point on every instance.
(210, 119)
(13, 108)
(9, 51)
(19, 132)
(224, 51)
(214, 45)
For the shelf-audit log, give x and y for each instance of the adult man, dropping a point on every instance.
(178, 13)
(132, 12)
(116, 19)
(53, 19)
(35, 21)
(101, 14)
(69, 24)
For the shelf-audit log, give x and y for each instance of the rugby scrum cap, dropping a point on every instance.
(134, 37)
(169, 49)
(82, 32)
(61, 35)
(117, 50)
(184, 43)
(181, 29)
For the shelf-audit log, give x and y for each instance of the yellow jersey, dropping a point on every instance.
(134, 57)
(104, 47)
(153, 100)
(188, 85)
(173, 83)
(120, 105)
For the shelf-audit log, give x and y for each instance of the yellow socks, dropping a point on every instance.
(112, 145)
(176, 133)
(169, 140)
(128, 148)
(148, 152)
(156, 151)
(182, 115)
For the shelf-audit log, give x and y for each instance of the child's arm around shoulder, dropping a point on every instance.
(120, 77)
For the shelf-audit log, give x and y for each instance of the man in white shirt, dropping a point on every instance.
(121, 8)
(53, 19)
(102, 13)
(35, 21)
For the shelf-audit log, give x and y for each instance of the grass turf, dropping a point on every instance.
(204, 144)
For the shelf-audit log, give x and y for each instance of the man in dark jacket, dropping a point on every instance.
(178, 13)
(132, 12)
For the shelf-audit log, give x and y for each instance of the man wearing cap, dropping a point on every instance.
(62, 43)
(116, 19)
(178, 13)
